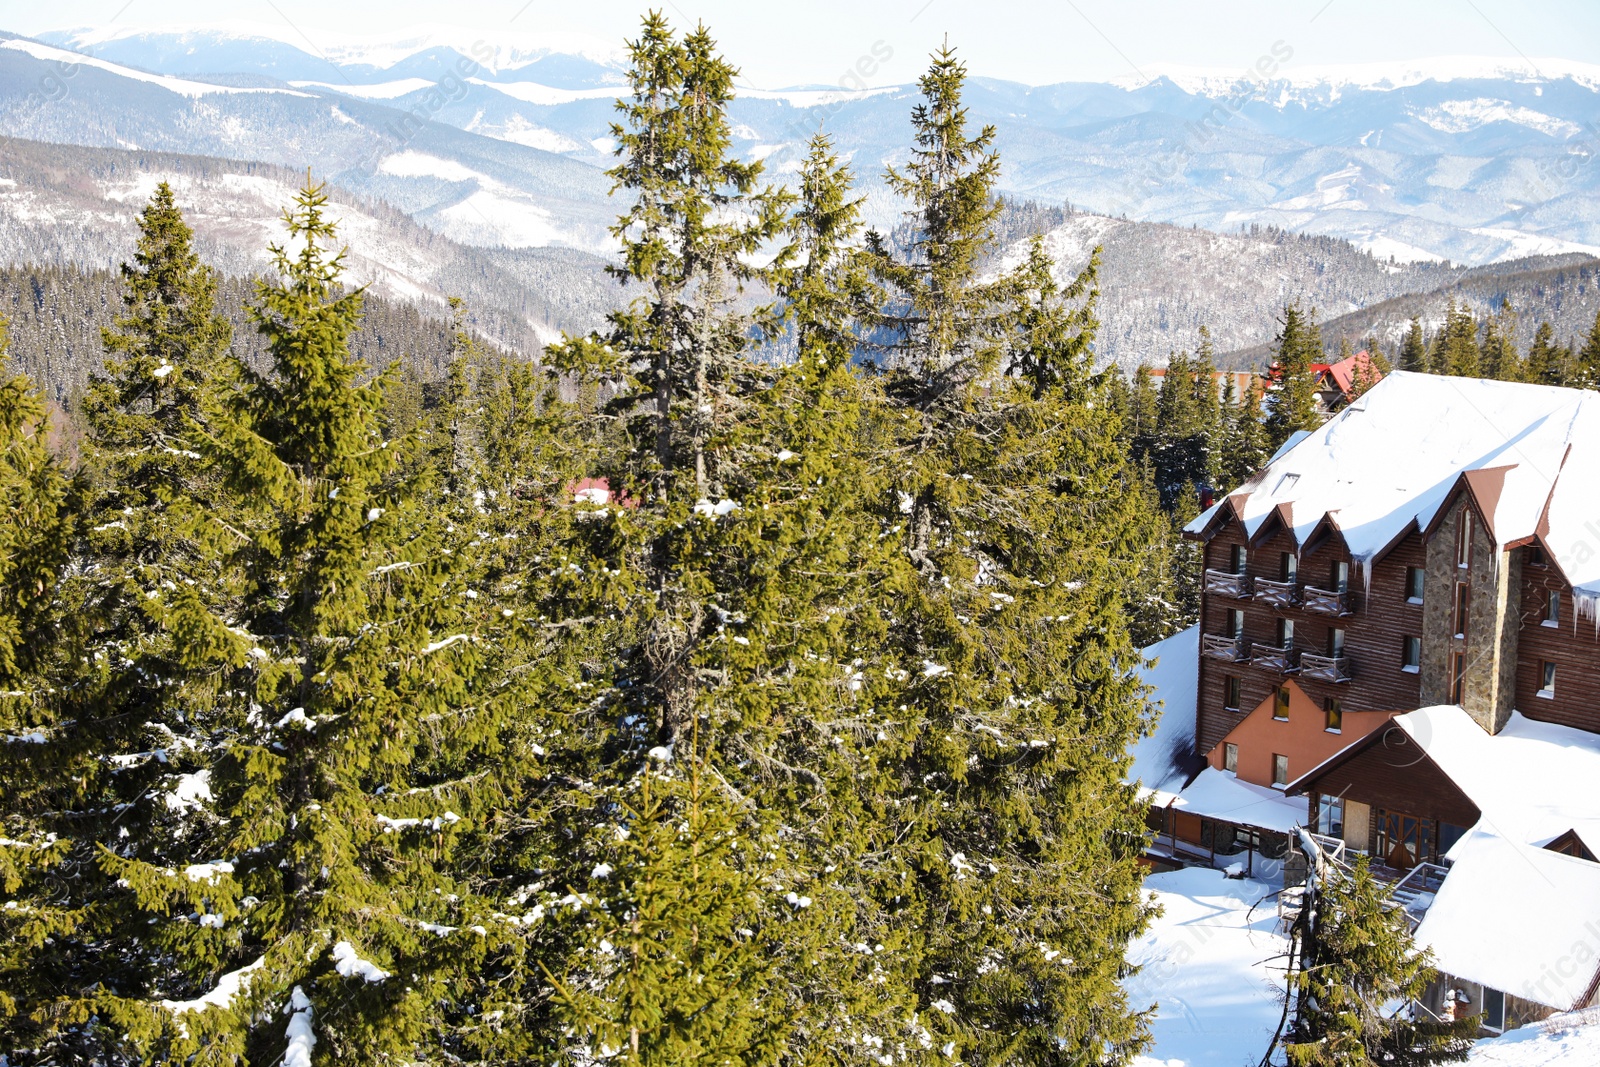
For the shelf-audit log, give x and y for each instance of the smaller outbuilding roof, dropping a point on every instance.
(1519, 919)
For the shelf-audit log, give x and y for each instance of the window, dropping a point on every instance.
(1536, 557)
(1494, 1009)
(1411, 654)
(1280, 770)
(1464, 539)
(1330, 816)
(1285, 633)
(1341, 577)
(1333, 714)
(1552, 608)
(1237, 558)
(1288, 566)
(1414, 584)
(1547, 679)
(1230, 757)
(1231, 690)
(1335, 642)
(1280, 704)
(1236, 622)
(1458, 676)
(1463, 603)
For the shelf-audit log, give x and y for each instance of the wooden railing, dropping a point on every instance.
(1224, 583)
(1325, 601)
(1325, 668)
(1272, 658)
(1277, 594)
(1228, 649)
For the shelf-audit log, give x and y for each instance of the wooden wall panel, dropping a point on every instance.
(1571, 646)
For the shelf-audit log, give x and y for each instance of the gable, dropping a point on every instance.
(1304, 737)
(1389, 770)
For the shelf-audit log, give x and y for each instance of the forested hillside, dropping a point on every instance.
(56, 315)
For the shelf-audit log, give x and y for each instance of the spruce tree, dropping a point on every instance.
(1499, 351)
(321, 871)
(672, 946)
(1293, 398)
(1358, 969)
(1414, 352)
(1586, 367)
(1547, 363)
(136, 695)
(1018, 518)
(36, 860)
(1455, 350)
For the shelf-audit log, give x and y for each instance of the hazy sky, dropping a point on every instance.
(1035, 41)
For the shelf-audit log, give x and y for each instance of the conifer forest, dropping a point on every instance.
(749, 681)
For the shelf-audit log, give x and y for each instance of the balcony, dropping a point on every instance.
(1325, 601)
(1223, 583)
(1277, 594)
(1272, 658)
(1325, 668)
(1227, 649)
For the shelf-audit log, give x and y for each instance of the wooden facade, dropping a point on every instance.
(1570, 643)
(1378, 618)
(1397, 783)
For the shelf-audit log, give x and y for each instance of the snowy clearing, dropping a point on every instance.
(1212, 968)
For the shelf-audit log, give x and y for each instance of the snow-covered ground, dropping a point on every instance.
(1212, 964)
(1571, 1040)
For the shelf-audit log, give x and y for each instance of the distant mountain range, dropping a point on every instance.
(474, 164)
(1470, 160)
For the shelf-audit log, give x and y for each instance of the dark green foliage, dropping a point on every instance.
(1455, 350)
(1414, 352)
(1548, 363)
(1586, 374)
(667, 702)
(1292, 403)
(1357, 972)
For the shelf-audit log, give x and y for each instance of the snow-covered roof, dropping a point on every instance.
(1533, 781)
(1392, 458)
(1519, 919)
(1219, 795)
(1163, 761)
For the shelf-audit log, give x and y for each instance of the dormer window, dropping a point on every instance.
(1288, 566)
(1237, 558)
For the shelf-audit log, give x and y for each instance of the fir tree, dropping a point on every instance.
(320, 875)
(1499, 350)
(1547, 362)
(36, 868)
(1019, 519)
(1586, 371)
(1455, 350)
(1293, 399)
(1414, 352)
(945, 321)
(1357, 961)
(683, 977)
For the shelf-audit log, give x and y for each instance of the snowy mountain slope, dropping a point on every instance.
(483, 191)
(1459, 158)
(62, 204)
